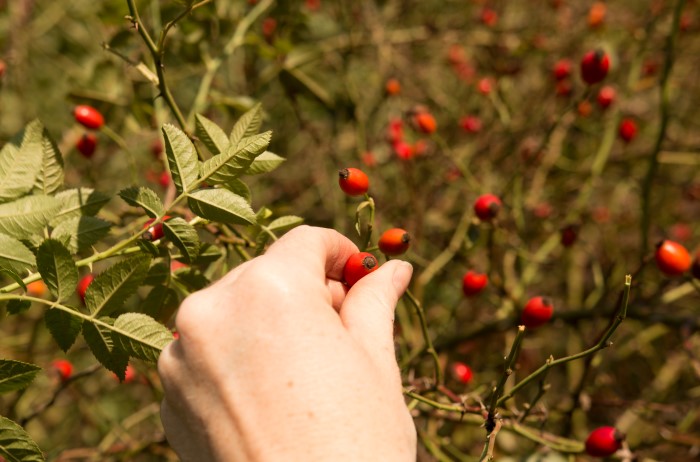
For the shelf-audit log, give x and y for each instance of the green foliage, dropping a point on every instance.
(57, 269)
(16, 445)
(16, 375)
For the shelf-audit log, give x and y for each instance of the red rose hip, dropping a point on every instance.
(594, 66)
(537, 312)
(473, 283)
(561, 69)
(603, 442)
(628, 129)
(487, 207)
(606, 96)
(86, 145)
(83, 285)
(462, 372)
(88, 116)
(63, 368)
(394, 241)
(359, 266)
(353, 181)
(672, 258)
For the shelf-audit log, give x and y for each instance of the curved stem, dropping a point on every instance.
(439, 379)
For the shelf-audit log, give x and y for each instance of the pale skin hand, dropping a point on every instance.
(279, 361)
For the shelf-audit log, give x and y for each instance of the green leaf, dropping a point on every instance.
(264, 163)
(19, 164)
(192, 279)
(285, 223)
(109, 290)
(227, 166)
(247, 125)
(57, 269)
(157, 274)
(64, 327)
(210, 134)
(14, 255)
(221, 205)
(160, 303)
(17, 306)
(183, 236)
(14, 276)
(16, 445)
(79, 233)
(148, 247)
(182, 158)
(28, 215)
(240, 188)
(208, 253)
(77, 202)
(141, 336)
(16, 375)
(49, 178)
(99, 340)
(140, 196)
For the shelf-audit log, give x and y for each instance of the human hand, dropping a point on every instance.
(279, 361)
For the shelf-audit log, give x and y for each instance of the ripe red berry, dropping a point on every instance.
(489, 17)
(606, 96)
(87, 144)
(177, 265)
(603, 442)
(129, 374)
(164, 179)
(425, 122)
(487, 206)
(359, 266)
(392, 87)
(462, 372)
(672, 258)
(594, 66)
(394, 131)
(473, 283)
(83, 285)
(562, 69)
(157, 148)
(37, 289)
(563, 88)
(537, 311)
(484, 86)
(353, 181)
(569, 234)
(63, 367)
(596, 15)
(269, 25)
(627, 129)
(403, 150)
(394, 241)
(470, 124)
(88, 116)
(153, 232)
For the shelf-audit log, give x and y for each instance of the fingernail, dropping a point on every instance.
(402, 275)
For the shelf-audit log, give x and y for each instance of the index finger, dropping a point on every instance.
(322, 251)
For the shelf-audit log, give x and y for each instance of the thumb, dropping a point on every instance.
(368, 310)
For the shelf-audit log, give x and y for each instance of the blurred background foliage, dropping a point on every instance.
(320, 70)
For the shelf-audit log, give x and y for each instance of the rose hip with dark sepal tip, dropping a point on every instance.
(604, 442)
(537, 312)
(594, 66)
(358, 266)
(353, 181)
(487, 206)
(153, 232)
(394, 241)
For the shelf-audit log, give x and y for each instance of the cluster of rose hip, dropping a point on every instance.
(92, 119)
(594, 68)
(671, 258)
